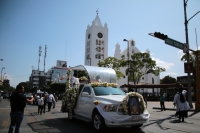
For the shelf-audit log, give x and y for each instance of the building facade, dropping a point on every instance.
(146, 79)
(96, 42)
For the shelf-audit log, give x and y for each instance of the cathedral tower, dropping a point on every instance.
(96, 42)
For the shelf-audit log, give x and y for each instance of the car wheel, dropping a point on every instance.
(98, 122)
(70, 114)
(137, 126)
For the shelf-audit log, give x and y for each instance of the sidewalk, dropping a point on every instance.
(168, 106)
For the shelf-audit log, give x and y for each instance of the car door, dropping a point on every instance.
(84, 103)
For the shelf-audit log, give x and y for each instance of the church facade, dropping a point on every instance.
(96, 42)
(96, 49)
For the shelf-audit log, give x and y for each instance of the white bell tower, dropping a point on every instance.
(96, 42)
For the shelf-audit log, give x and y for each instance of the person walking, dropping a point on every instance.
(45, 101)
(162, 102)
(50, 100)
(40, 101)
(56, 99)
(18, 103)
(176, 102)
(182, 104)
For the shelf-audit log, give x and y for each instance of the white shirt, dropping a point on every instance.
(50, 98)
(76, 82)
(72, 80)
(40, 101)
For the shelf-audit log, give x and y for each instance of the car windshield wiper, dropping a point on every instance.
(116, 94)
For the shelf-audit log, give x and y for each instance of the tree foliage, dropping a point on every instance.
(113, 63)
(168, 80)
(139, 65)
(192, 57)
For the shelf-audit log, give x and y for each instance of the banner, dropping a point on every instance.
(60, 63)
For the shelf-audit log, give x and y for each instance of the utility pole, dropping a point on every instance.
(45, 54)
(40, 51)
(187, 42)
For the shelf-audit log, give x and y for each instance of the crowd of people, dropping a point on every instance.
(18, 102)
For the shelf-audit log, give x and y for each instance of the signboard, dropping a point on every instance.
(60, 63)
(174, 43)
(188, 67)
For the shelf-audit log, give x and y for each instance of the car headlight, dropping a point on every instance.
(110, 108)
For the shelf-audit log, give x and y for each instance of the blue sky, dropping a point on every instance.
(61, 25)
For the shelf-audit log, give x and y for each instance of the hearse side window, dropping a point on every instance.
(87, 89)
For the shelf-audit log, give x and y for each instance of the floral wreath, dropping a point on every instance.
(125, 102)
(70, 97)
(105, 84)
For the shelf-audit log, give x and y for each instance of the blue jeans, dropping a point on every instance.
(16, 120)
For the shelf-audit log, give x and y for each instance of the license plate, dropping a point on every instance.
(135, 117)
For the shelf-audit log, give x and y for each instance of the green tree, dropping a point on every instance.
(139, 65)
(113, 63)
(168, 80)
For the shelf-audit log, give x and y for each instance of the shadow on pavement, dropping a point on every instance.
(194, 113)
(63, 125)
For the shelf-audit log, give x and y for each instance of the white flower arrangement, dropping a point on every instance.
(125, 102)
(105, 84)
(83, 78)
(70, 98)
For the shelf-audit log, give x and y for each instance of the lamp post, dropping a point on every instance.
(187, 42)
(128, 60)
(1, 72)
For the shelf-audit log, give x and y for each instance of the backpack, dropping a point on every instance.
(182, 99)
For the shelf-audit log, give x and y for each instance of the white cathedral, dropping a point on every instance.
(96, 49)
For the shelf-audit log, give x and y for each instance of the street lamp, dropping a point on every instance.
(128, 58)
(187, 42)
(1, 72)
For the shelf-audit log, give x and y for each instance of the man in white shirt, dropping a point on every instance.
(50, 100)
(76, 81)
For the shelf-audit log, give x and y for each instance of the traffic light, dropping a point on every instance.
(160, 35)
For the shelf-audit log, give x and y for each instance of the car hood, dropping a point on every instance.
(110, 99)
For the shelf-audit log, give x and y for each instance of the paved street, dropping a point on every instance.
(56, 121)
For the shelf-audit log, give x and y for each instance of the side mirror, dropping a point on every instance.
(85, 94)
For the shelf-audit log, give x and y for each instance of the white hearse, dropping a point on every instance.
(99, 100)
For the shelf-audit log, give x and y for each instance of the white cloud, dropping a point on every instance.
(180, 53)
(152, 54)
(163, 64)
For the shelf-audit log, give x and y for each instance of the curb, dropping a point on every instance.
(174, 109)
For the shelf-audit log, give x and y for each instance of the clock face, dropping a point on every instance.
(88, 36)
(100, 35)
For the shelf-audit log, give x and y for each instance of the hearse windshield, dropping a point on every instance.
(99, 91)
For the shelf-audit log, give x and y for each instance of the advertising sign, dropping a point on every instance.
(60, 63)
